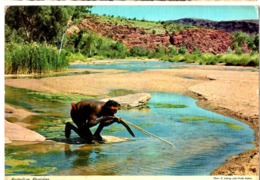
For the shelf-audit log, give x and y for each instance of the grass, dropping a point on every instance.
(33, 58)
(72, 57)
(211, 59)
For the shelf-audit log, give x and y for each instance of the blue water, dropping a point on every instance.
(135, 66)
(200, 146)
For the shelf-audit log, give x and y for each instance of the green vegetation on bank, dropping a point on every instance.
(48, 48)
(33, 58)
(34, 36)
(211, 59)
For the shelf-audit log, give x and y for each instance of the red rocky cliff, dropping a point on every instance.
(205, 40)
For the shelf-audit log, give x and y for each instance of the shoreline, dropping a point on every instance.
(229, 166)
(242, 164)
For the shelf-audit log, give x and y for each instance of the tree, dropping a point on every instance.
(239, 38)
(40, 23)
(182, 50)
(253, 42)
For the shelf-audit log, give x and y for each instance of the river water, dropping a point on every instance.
(203, 139)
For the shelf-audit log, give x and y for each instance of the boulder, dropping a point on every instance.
(14, 132)
(131, 100)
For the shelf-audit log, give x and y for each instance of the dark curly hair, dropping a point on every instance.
(110, 103)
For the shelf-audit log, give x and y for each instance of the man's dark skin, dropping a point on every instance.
(86, 114)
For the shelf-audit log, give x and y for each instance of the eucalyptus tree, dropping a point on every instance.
(40, 23)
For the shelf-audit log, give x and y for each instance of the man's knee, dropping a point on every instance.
(68, 124)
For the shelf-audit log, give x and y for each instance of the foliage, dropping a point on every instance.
(32, 34)
(211, 59)
(182, 50)
(49, 20)
(72, 57)
(33, 50)
(33, 58)
(253, 42)
(172, 50)
(241, 39)
(136, 51)
(90, 44)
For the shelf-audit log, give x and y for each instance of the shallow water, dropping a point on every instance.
(135, 66)
(203, 139)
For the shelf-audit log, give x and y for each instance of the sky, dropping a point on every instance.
(163, 13)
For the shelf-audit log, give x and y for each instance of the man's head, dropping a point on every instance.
(111, 107)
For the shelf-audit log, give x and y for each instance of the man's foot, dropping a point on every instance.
(68, 141)
(99, 139)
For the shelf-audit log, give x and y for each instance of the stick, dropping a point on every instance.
(145, 132)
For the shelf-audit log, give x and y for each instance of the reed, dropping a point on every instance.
(33, 58)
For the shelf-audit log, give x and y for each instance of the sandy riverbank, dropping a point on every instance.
(227, 90)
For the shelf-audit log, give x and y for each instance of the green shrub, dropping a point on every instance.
(136, 51)
(182, 50)
(72, 57)
(178, 58)
(33, 58)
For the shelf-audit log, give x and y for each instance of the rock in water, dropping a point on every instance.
(14, 132)
(131, 100)
(108, 140)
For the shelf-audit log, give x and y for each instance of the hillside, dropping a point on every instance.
(153, 34)
(247, 26)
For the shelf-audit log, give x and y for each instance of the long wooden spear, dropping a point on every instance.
(145, 132)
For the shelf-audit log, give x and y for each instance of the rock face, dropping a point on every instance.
(14, 132)
(131, 100)
(206, 40)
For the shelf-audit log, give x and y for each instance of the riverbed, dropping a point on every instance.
(180, 126)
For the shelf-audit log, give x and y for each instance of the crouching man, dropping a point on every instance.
(86, 114)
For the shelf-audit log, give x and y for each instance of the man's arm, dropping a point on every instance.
(105, 120)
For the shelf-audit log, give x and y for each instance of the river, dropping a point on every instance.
(203, 139)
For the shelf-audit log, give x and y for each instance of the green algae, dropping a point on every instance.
(168, 106)
(113, 129)
(28, 170)
(213, 121)
(24, 167)
(61, 98)
(17, 162)
(40, 102)
(120, 92)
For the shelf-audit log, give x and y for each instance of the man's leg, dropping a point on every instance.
(97, 135)
(68, 128)
(85, 133)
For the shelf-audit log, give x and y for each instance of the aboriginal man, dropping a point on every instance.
(86, 114)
